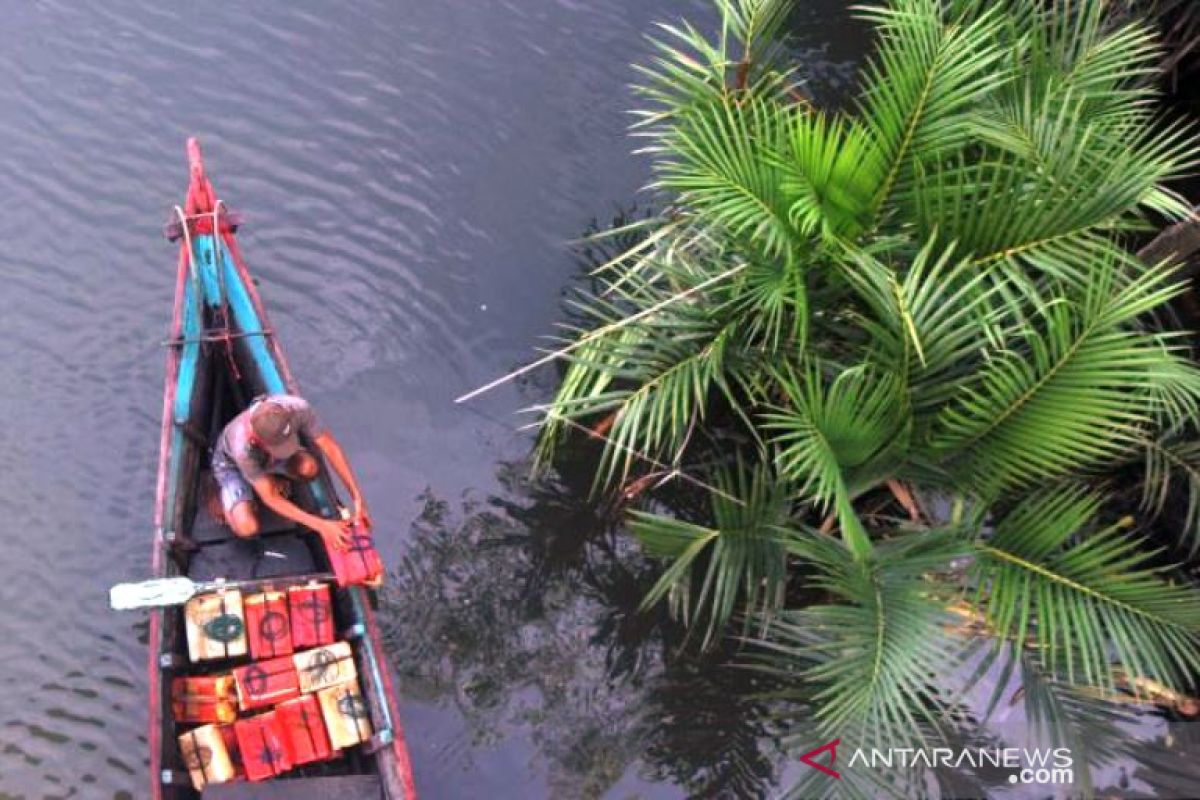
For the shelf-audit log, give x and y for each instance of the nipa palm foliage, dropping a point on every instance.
(922, 320)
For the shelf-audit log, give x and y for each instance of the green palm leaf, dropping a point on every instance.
(724, 163)
(927, 74)
(1075, 49)
(1087, 598)
(771, 300)
(756, 23)
(928, 320)
(654, 374)
(1053, 189)
(1058, 714)
(690, 71)
(832, 170)
(1065, 152)
(831, 435)
(873, 665)
(1172, 463)
(740, 561)
(1064, 395)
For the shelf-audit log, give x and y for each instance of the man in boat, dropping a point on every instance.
(262, 447)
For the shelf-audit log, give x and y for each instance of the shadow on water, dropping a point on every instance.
(521, 611)
(518, 613)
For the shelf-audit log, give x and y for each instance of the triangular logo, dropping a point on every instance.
(808, 757)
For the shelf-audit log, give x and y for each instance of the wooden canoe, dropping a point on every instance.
(221, 354)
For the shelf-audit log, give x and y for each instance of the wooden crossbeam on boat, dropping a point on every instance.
(216, 336)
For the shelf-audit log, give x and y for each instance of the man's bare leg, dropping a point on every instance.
(243, 519)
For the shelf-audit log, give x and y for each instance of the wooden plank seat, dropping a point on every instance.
(274, 555)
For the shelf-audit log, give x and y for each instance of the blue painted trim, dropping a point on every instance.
(245, 317)
(202, 247)
(189, 360)
(192, 327)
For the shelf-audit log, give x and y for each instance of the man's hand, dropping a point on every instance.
(337, 459)
(335, 532)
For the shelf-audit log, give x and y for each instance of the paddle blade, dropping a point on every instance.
(151, 594)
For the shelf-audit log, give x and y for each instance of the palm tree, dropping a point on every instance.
(922, 325)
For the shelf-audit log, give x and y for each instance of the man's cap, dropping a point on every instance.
(271, 423)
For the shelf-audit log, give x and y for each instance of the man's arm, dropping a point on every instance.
(337, 460)
(334, 532)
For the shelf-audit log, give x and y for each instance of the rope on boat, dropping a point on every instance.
(187, 241)
(218, 336)
(222, 298)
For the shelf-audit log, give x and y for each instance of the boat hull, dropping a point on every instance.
(222, 352)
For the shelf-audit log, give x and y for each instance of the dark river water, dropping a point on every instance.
(412, 174)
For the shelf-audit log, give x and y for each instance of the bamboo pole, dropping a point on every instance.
(601, 331)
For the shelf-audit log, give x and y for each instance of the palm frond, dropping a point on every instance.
(1171, 467)
(832, 170)
(1087, 598)
(737, 563)
(1065, 152)
(756, 24)
(1054, 188)
(928, 72)
(1059, 714)
(665, 386)
(1058, 397)
(653, 373)
(723, 161)
(1174, 387)
(1077, 48)
(584, 389)
(927, 319)
(1033, 707)
(828, 433)
(689, 70)
(874, 664)
(1179, 24)
(773, 303)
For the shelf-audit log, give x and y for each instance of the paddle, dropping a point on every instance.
(160, 592)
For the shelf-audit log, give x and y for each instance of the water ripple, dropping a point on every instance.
(409, 173)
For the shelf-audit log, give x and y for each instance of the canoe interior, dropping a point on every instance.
(222, 356)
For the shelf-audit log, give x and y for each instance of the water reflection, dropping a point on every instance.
(521, 610)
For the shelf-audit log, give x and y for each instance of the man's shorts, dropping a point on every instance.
(234, 487)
